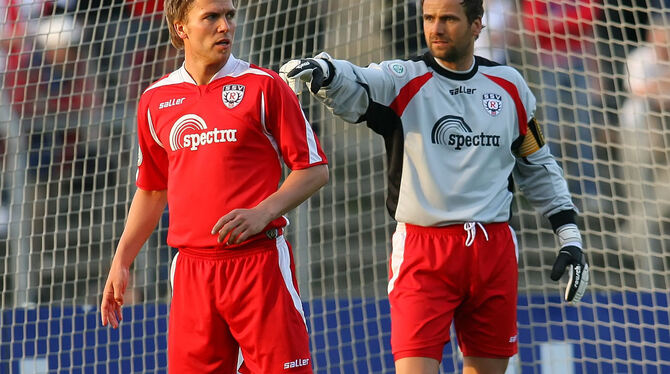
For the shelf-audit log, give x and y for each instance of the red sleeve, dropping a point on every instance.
(297, 142)
(152, 162)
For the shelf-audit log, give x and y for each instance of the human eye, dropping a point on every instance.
(230, 15)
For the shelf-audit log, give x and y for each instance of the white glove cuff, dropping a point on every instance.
(320, 59)
(569, 235)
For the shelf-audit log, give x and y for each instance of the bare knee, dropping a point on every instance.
(484, 365)
(417, 365)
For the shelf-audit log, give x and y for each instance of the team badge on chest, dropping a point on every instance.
(492, 103)
(232, 95)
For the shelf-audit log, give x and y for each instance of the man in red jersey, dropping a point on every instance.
(212, 136)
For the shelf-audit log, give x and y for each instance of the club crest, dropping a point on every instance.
(492, 103)
(232, 95)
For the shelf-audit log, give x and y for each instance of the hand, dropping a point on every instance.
(112, 295)
(313, 71)
(239, 225)
(573, 258)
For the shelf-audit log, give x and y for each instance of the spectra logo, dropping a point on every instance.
(453, 131)
(187, 132)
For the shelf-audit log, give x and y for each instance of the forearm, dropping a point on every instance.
(145, 212)
(298, 186)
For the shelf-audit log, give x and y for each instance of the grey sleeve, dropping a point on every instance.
(352, 87)
(541, 180)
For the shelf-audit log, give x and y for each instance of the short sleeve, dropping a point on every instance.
(152, 163)
(286, 122)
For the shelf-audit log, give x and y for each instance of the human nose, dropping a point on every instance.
(224, 25)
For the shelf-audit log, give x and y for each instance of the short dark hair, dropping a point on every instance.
(473, 9)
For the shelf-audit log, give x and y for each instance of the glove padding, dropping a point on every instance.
(312, 71)
(572, 256)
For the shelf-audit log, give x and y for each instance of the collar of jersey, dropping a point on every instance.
(459, 76)
(226, 70)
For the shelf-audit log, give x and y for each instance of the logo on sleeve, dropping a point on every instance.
(232, 95)
(397, 69)
(492, 103)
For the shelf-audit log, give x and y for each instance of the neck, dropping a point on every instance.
(200, 72)
(464, 64)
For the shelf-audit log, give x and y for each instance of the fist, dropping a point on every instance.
(572, 258)
(311, 71)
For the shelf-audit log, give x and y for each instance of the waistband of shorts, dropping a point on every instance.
(456, 228)
(256, 243)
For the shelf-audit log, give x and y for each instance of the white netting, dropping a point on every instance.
(70, 76)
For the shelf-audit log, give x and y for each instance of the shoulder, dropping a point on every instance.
(405, 69)
(251, 71)
(494, 69)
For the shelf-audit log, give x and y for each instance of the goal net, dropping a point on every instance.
(71, 73)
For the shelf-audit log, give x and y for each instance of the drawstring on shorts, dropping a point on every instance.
(471, 229)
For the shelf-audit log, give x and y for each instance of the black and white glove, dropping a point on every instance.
(571, 257)
(312, 71)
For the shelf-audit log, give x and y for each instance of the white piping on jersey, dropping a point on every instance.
(471, 229)
(252, 71)
(311, 141)
(265, 128)
(285, 268)
(233, 68)
(153, 130)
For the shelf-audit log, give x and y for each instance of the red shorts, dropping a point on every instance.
(224, 300)
(435, 278)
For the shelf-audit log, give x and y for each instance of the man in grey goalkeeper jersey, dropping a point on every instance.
(458, 129)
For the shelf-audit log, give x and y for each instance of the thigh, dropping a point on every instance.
(266, 316)
(199, 340)
(486, 322)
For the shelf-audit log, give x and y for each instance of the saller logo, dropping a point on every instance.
(449, 130)
(232, 95)
(182, 136)
(296, 363)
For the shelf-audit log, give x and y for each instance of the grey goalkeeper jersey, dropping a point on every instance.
(452, 139)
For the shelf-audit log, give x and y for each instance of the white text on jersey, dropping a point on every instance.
(296, 363)
(215, 136)
(170, 103)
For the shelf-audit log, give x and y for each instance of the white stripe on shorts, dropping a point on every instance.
(285, 268)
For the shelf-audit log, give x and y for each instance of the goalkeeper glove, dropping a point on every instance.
(571, 256)
(313, 71)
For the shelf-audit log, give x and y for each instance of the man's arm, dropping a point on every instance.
(145, 212)
(346, 89)
(541, 179)
(240, 224)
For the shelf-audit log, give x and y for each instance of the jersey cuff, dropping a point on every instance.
(331, 73)
(561, 218)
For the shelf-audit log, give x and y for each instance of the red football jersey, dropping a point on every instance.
(219, 146)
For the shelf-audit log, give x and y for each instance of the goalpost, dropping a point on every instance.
(70, 76)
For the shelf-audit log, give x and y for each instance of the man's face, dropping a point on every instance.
(208, 31)
(449, 36)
